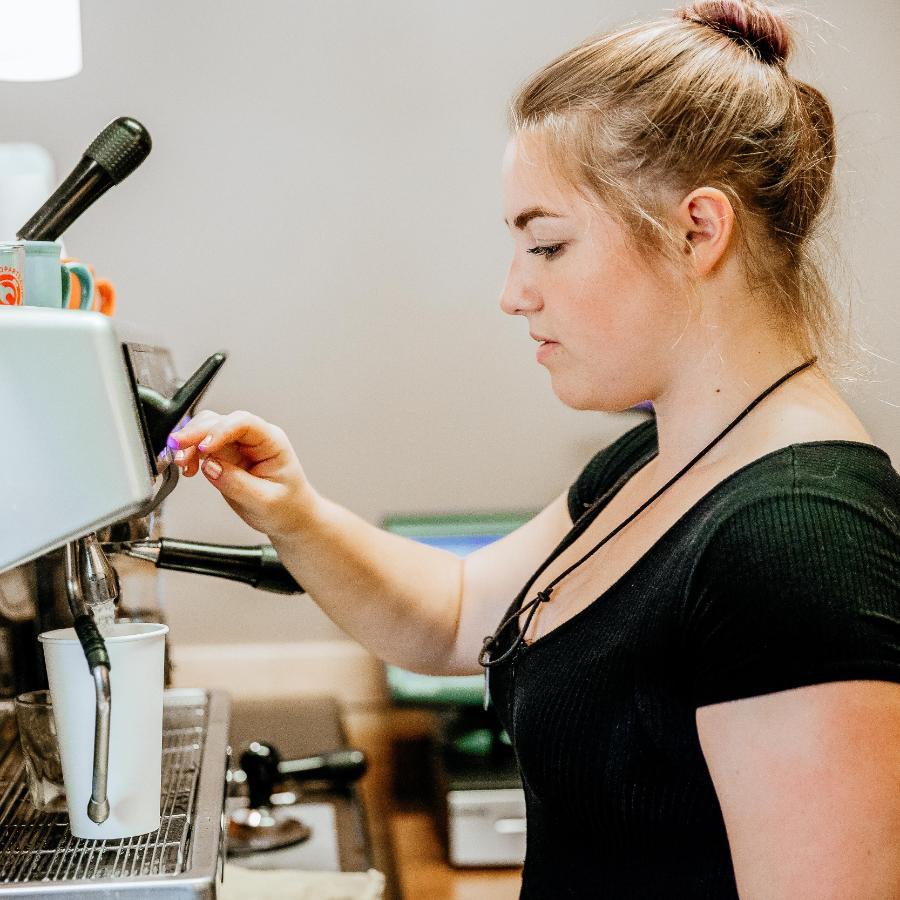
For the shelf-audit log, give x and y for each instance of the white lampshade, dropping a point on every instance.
(41, 39)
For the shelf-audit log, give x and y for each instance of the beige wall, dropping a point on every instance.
(323, 202)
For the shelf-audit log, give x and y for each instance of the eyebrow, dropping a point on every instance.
(536, 212)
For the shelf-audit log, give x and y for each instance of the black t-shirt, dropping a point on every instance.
(785, 574)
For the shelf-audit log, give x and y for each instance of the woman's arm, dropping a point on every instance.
(416, 606)
(809, 784)
(408, 603)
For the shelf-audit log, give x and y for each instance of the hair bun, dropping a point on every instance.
(759, 28)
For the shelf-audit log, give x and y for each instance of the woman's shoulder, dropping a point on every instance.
(838, 464)
(793, 580)
(829, 472)
(833, 500)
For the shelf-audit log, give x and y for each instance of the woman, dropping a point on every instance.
(701, 677)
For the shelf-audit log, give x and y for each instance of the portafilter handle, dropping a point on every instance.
(258, 566)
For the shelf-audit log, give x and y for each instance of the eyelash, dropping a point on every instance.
(549, 251)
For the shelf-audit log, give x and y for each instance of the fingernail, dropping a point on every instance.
(212, 469)
(205, 442)
(172, 442)
(179, 456)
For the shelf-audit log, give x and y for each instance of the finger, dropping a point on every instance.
(236, 484)
(194, 431)
(185, 456)
(192, 463)
(256, 438)
(188, 459)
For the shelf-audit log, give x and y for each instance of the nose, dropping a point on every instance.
(519, 295)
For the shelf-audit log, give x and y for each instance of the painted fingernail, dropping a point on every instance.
(212, 469)
(172, 442)
(179, 456)
(205, 442)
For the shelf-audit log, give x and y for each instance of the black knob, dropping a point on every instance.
(121, 147)
(260, 764)
(162, 415)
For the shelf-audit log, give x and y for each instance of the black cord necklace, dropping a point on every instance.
(544, 596)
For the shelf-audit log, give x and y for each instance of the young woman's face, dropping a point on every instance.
(603, 320)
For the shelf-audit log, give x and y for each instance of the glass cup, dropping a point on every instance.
(40, 747)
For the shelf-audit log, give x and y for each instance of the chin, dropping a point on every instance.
(576, 397)
(581, 400)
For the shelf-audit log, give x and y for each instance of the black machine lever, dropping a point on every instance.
(162, 415)
(258, 566)
(112, 156)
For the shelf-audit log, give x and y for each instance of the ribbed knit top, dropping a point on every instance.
(786, 573)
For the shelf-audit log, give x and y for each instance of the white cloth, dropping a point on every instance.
(291, 884)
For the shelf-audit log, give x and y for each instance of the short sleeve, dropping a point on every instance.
(794, 590)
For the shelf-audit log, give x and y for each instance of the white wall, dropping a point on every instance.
(323, 202)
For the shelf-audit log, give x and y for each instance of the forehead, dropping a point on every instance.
(531, 180)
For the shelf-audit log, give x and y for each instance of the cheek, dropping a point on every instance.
(623, 321)
(612, 299)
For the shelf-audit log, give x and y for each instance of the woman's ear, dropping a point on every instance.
(707, 220)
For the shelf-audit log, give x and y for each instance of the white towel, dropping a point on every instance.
(292, 884)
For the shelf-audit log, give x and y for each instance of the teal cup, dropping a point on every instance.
(48, 281)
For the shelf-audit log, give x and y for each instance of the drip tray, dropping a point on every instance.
(40, 858)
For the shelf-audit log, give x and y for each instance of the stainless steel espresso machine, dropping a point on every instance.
(89, 414)
(61, 524)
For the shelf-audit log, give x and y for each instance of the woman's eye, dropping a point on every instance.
(549, 251)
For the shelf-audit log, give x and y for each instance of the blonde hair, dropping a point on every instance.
(639, 117)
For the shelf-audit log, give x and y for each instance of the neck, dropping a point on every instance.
(704, 397)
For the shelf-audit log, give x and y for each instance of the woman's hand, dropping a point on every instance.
(253, 465)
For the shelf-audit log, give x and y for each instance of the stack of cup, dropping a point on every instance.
(32, 274)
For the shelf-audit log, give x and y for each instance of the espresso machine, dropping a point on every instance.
(86, 406)
(90, 411)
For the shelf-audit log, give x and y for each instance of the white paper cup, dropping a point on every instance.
(136, 653)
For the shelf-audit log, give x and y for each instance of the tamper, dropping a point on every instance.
(259, 826)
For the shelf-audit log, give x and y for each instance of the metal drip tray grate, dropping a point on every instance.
(38, 848)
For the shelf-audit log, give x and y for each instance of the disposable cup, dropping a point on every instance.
(136, 653)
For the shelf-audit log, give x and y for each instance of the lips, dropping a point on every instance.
(546, 349)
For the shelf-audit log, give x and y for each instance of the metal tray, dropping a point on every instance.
(40, 858)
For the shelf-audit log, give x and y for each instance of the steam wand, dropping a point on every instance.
(104, 587)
